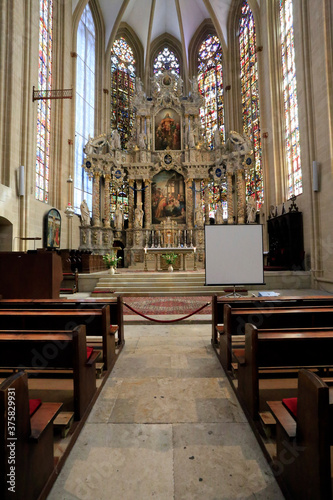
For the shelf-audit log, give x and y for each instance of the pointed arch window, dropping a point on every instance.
(44, 106)
(293, 152)
(250, 101)
(210, 80)
(122, 89)
(166, 59)
(85, 105)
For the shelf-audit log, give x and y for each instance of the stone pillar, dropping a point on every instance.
(240, 196)
(189, 204)
(198, 194)
(206, 201)
(138, 128)
(130, 204)
(107, 200)
(147, 208)
(148, 133)
(185, 146)
(230, 199)
(138, 192)
(96, 213)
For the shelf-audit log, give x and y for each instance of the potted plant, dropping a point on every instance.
(111, 261)
(170, 259)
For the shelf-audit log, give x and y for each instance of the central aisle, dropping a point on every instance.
(166, 426)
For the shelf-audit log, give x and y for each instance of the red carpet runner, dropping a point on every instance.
(167, 305)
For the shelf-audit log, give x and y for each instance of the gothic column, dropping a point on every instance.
(107, 200)
(130, 204)
(147, 203)
(96, 213)
(189, 204)
(206, 201)
(230, 199)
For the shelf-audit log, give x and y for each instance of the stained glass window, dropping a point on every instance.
(210, 79)
(85, 105)
(122, 89)
(293, 153)
(250, 101)
(44, 106)
(165, 60)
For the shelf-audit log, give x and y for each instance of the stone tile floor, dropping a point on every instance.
(168, 426)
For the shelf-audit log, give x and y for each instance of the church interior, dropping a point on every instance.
(166, 170)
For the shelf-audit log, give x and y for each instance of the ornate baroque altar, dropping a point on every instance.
(166, 169)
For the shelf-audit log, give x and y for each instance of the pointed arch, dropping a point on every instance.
(157, 45)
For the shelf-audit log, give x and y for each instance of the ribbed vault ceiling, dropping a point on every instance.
(152, 18)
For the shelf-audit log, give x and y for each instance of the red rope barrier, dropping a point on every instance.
(167, 320)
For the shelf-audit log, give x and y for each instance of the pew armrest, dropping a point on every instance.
(93, 358)
(42, 418)
(282, 415)
(239, 355)
(113, 329)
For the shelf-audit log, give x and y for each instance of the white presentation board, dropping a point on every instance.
(234, 254)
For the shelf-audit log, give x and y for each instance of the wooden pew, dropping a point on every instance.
(302, 464)
(96, 320)
(27, 462)
(268, 318)
(271, 350)
(259, 302)
(115, 304)
(53, 350)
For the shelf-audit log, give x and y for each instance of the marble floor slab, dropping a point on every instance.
(166, 425)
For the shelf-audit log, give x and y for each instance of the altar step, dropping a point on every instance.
(141, 283)
(145, 283)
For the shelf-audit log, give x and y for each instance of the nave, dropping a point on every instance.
(167, 425)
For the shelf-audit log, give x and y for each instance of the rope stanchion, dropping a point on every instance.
(166, 320)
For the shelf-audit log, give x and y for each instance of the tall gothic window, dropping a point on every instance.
(210, 79)
(44, 106)
(85, 105)
(293, 153)
(122, 89)
(250, 101)
(166, 59)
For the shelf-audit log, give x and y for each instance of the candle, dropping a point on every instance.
(145, 250)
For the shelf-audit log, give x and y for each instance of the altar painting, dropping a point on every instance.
(168, 198)
(167, 130)
(52, 228)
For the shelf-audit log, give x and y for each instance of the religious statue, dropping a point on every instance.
(191, 140)
(85, 214)
(197, 130)
(115, 140)
(138, 85)
(251, 210)
(219, 214)
(118, 219)
(199, 217)
(217, 138)
(138, 216)
(142, 140)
